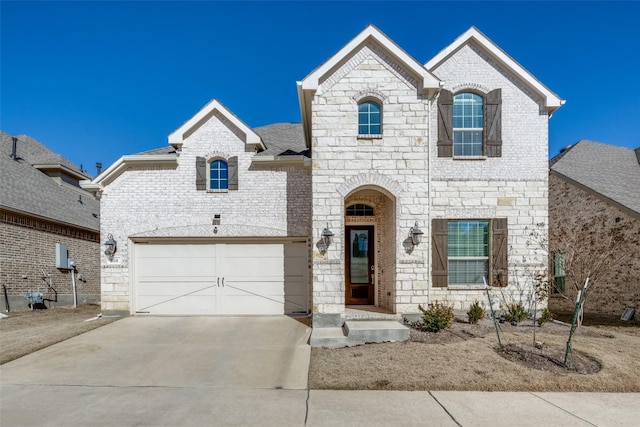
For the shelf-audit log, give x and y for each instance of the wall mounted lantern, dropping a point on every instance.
(327, 236)
(110, 247)
(416, 235)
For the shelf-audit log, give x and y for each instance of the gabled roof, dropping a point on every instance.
(27, 190)
(610, 171)
(177, 137)
(427, 82)
(551, 101)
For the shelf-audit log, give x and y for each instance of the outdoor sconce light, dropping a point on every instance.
(416, 235)
(326, 235)
(110, 247)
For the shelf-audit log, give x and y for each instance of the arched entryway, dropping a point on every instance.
(370, 247)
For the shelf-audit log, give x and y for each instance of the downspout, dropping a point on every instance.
(429, 248)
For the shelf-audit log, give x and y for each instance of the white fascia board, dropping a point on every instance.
(551, 101)
(123, 163)
(428, 80)
(176, 138)
(305, 113)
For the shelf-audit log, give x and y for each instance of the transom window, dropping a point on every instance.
(218, 175)
(468, 252)
(359, 209)
(369, 118)
(467, 124)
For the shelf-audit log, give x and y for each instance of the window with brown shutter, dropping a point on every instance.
(440, 260)
(233, 172)
(445, 124)
(499, 252)
(493, 124)
(201, 174)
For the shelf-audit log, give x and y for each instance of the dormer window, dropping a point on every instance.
(369, 118)
(218, 175)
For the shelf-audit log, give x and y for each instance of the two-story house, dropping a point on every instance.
(404, 183)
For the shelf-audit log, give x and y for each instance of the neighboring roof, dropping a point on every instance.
(551, 101)
(25, 189)
(427, 82)
(177, 137)
(282, 139)
(609, 170)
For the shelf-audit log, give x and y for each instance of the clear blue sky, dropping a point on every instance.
(96, 80)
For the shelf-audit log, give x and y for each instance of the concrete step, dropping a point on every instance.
(363, 332)
(328, 337)
(358, 333)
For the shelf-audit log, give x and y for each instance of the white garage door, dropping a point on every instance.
(227, 278)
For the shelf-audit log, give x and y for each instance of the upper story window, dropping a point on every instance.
(470, 125)
(467, 124)
(369, 118)
(359, 209)
(218, 175)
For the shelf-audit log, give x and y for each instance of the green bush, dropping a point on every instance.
(545, 317)
(437, 317)
(516, 312)
(475, 313)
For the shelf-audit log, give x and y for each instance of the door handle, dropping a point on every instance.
(223, 282)
(218, 282)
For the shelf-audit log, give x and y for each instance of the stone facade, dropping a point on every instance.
(571, 207)
(397, 173)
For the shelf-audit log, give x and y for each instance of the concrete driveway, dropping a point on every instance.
(164, 371)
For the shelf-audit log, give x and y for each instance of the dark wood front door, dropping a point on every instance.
(359, 277)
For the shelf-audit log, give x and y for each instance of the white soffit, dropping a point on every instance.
(552, 101)
(176, 138)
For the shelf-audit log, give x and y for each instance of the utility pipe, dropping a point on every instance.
(73, 284)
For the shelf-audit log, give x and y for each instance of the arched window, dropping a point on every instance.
(369, 118)
(359, 209)
(218, 175)
(467, 124)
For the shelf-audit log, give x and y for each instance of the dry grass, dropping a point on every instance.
(27, 331)
(465, 358)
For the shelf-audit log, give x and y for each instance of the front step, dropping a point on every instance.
(358, 333)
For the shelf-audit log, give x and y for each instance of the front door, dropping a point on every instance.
(359, 277)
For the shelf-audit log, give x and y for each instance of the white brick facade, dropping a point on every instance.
(398, 173)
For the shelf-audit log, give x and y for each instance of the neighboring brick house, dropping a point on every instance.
(594, 191)
(42, 206)
(230, 220)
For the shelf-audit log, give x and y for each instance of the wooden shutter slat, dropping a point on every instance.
(439, 257)
(201, 174)
(499, 252)
(493, 124)
(232, 164)
(445, 124)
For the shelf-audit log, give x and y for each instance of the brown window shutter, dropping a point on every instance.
(439, 253)
(201, 173)
(232, 164)
(445, 124)
(499, 258)
(493, 124)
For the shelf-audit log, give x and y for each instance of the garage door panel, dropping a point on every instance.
(182, 279)
(160, 287)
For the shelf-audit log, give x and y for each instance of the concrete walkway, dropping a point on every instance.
(156, 371)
